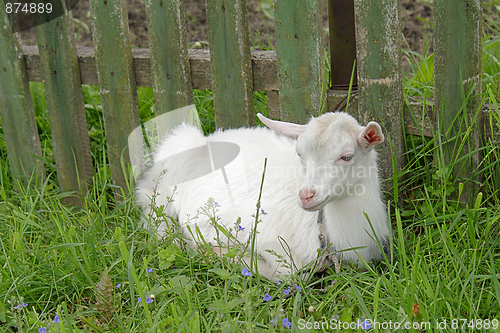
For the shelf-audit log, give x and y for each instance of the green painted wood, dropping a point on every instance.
(231, 63)
(457, 66)
(299, 50)
(117, 82)
(457, 52)
(380, 82)
(169, 55)
(63, 92)
(16, 108)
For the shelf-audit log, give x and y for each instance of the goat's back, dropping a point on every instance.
(238, 197)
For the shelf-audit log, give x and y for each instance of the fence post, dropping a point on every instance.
(16, 108)
(380, 82)
(300, 56)
(116, 73)
(231, 63)
(169, 56)
(63, 91)
(457, 72)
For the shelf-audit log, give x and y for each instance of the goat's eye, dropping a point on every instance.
(347, 157)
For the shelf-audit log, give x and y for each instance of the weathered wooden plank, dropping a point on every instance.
(169, 56)
(273, 103)
(201, 73)
(299, 50)
(380, 82)
(264, 67)
(337, 101)
(265, 71)
(16, 108)
(232, 76)
(457, 65)
(63, 92)
(117, 82)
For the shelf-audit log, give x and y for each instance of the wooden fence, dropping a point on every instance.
(293, 75)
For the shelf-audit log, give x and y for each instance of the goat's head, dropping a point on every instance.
(333, 150)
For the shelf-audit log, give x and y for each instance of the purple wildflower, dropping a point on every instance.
(286, 323)
(263, 212)
(216, 204)
(267, 297)
(240, 228)
(118, 285)
(279, 282)
(20, 306)
(246, 272)
(287, 291)
(42, 330)
(149, 270)
(149, 300)
(365, 324)
(139, 299)
(298, 288)
(274, 321)
(57, 319)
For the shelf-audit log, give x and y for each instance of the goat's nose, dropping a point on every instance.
(306, 195)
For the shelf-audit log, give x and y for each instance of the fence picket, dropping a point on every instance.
(457, 66)
(16, 108)
(63, 91)
(169, 56)
(232, 78)
(299, 51)
(380, 81)
(115, 69)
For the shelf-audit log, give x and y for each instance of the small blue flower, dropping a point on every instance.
(20, 306)
(279, 282)
(365, 324)
(42, 330)
(149, 300)
(287, 291)
(139, 299)
(216, 204)
(240, 227)
(149, 270)
(263, 212)
(298, 288)
(286, 323)
(246, 272)
(335, 316)
(57, 319)
(274, 321)
(118, 285)
(267, 297)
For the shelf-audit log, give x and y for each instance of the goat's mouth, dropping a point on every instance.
(311, 206)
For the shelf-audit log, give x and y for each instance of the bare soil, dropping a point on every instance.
(416, 16)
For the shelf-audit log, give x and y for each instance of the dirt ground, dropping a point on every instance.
(416, 16)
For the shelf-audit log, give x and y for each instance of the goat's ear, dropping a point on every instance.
(290, 130)
(371, 135)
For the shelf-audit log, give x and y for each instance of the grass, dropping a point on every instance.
(88, 266)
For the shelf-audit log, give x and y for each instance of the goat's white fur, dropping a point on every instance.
(321, 144)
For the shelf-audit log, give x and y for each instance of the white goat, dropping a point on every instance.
(328, 164)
